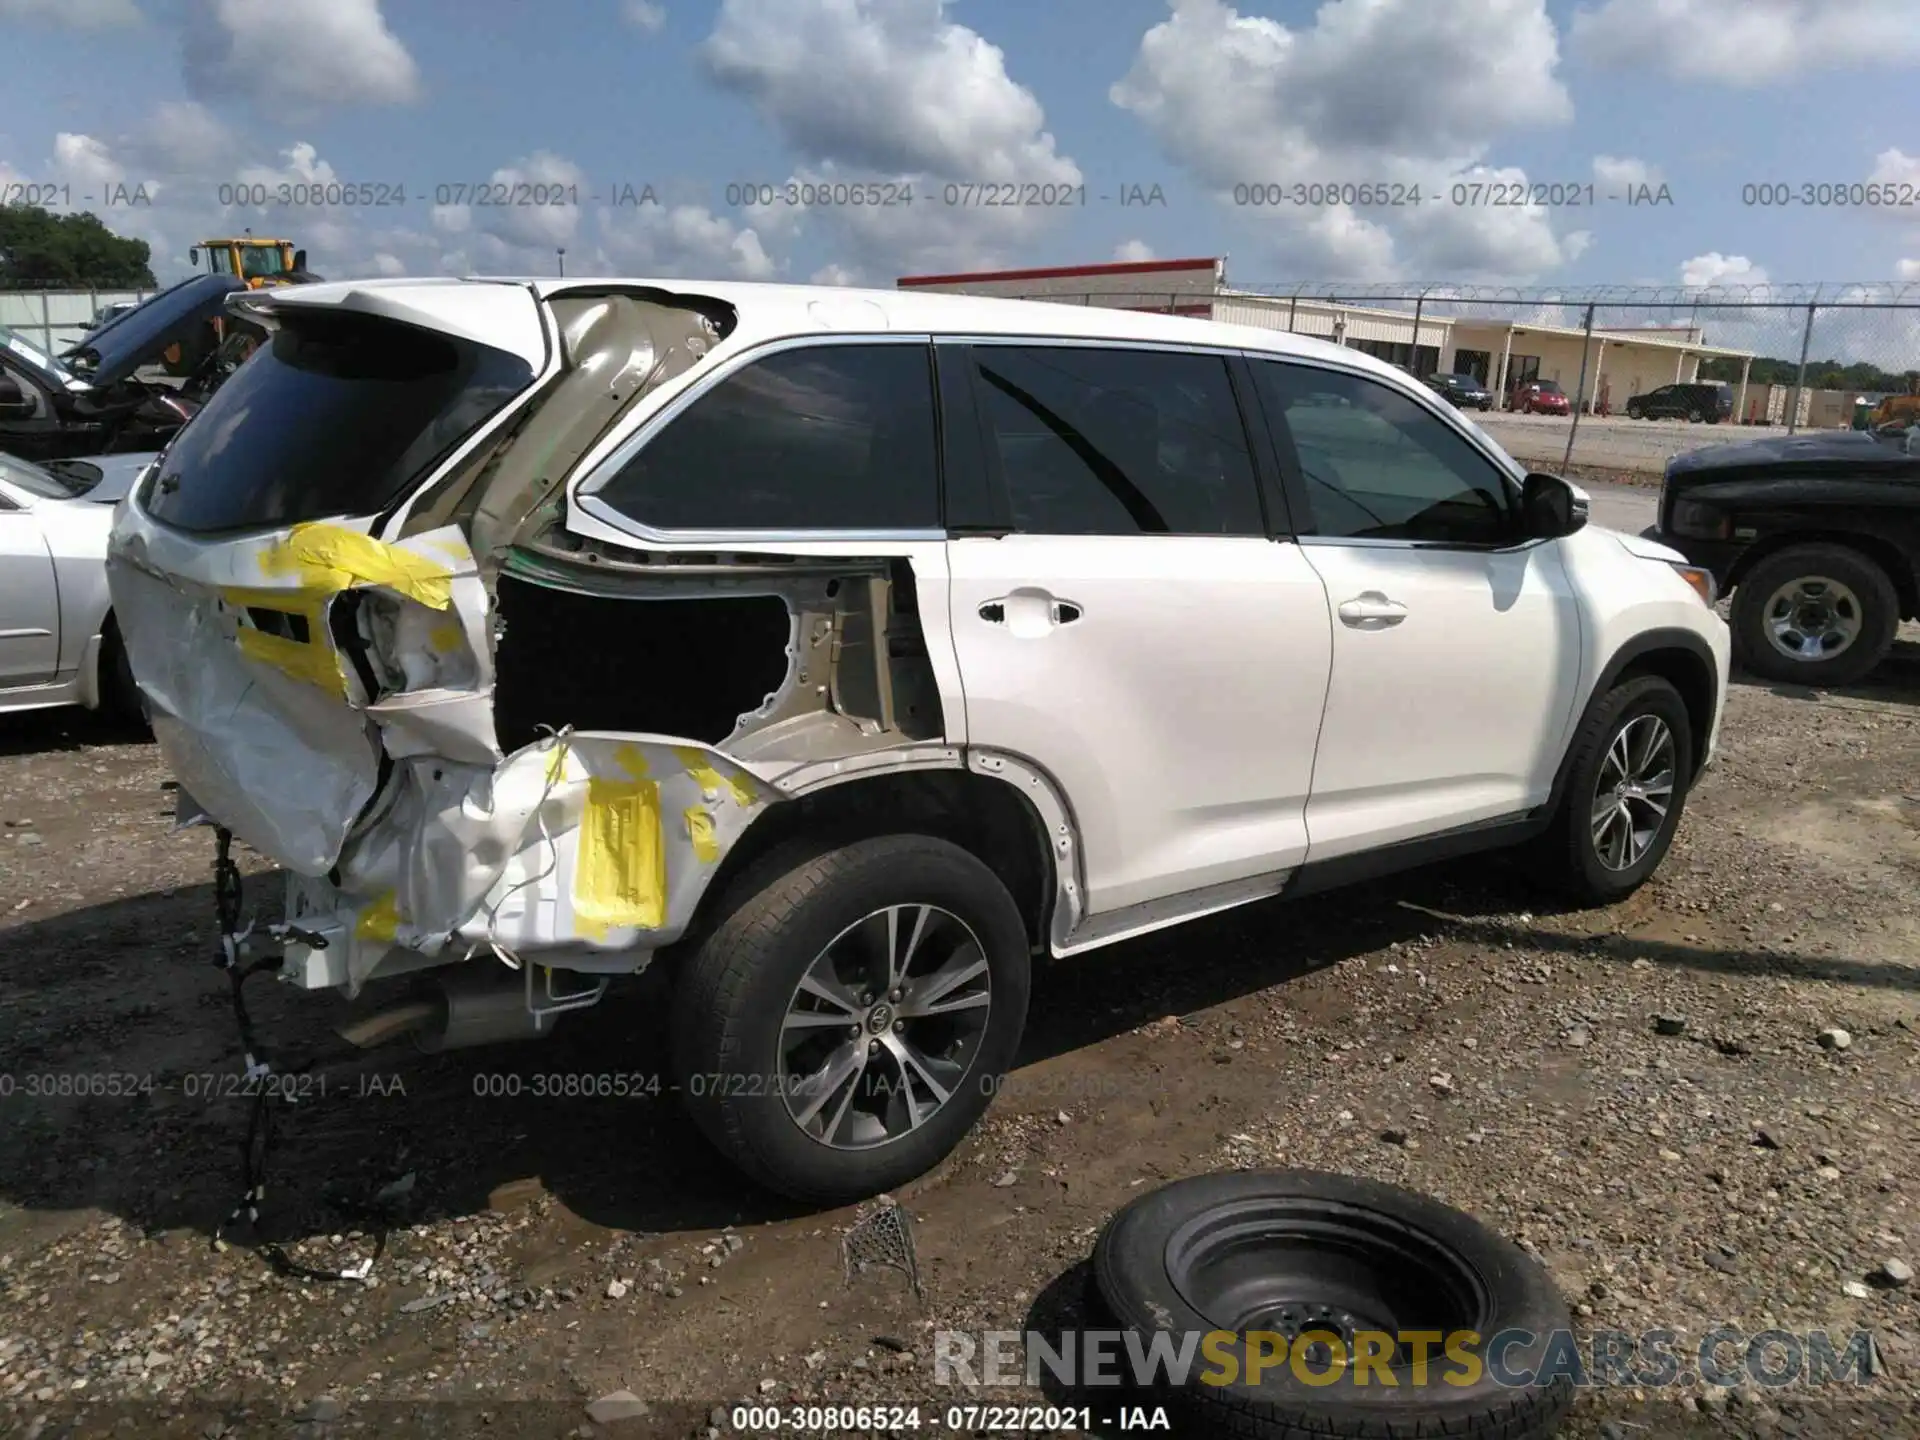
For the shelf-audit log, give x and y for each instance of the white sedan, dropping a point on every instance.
(58, 641)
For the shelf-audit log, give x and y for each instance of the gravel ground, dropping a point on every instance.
(1440, 1030)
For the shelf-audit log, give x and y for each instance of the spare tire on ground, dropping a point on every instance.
(1332, 1306)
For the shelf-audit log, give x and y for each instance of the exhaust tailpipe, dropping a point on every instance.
(466, 1007)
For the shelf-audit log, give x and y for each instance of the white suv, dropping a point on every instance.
(845, 651)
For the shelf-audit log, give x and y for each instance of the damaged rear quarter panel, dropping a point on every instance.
(592, 843)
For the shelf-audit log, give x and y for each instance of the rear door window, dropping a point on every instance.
(340, 415)
(1089, 440)
(818, 437)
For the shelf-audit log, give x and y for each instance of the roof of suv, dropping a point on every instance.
(767, 312)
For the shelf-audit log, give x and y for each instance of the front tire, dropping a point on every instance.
(1627, 780)
(1814, 615)
(843, 1028)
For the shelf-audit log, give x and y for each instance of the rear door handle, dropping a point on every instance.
(1371, 610)
(1030, 613)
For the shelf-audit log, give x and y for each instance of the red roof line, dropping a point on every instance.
(1065, 272)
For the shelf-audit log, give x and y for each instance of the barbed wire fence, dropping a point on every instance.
(1779, 358)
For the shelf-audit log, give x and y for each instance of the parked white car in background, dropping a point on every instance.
(846, 650)
(58, 642)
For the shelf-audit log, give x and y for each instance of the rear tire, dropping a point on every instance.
(1635, 749)
(752, 1023)
(1807, 591)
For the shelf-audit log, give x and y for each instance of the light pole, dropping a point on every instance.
(561, 252)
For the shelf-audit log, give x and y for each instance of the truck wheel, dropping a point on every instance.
(1303, 1282)
(1814, 615)
(1633, 412)
(842, 1029)
(1627, 778)
(1694, 417)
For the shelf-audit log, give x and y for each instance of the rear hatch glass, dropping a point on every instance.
(341, 414)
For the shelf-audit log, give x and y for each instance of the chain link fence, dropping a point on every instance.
(1614, 379)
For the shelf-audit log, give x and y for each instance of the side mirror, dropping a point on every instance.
(193, 256)
(1551, 507)
(300, 260)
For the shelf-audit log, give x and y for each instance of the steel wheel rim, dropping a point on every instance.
(1813, 618)
(881, 1031)
(1634, 792)
(1296, 1266)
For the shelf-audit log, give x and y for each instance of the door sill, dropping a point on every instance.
(1477, 838)
(1112, 926)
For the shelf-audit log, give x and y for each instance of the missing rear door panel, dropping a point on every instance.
(686, 667)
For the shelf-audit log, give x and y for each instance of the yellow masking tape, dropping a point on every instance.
(700, 831)
(380, 920)
(620, 875)
(313, 659)
(630, 759)
(330, 558)
(317, 665)
(446, 635)
(708, 778)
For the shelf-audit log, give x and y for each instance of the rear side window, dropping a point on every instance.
(1096, 441)
(339, 415)
(824, 437)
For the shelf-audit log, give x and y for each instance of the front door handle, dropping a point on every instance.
(1030, 613)
(1371, 610)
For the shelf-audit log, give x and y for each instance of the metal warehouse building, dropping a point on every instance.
(1500, 353)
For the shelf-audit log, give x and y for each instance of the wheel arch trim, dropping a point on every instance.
(1660, 641)
(1043, 798)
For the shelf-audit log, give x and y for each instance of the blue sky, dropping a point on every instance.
(1195, 97)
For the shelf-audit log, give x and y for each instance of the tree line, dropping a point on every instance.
(39, 249)
(1821, 374)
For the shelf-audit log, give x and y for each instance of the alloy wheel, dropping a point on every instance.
(1813, 618)
(1633, 792)
(883, 1027)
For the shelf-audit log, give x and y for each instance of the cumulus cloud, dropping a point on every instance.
(644, 15)
(1748, 42)
(677, 240)
(1713, 268)
(188, 162)
(833, 275)
(1400, 92)
(1617, 173)
(894, 91)
(73, 14)
(320, 52)
(1133, 251)
(539, 179)
(1907, 270)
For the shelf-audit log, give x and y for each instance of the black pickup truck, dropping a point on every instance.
(1818, 538)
